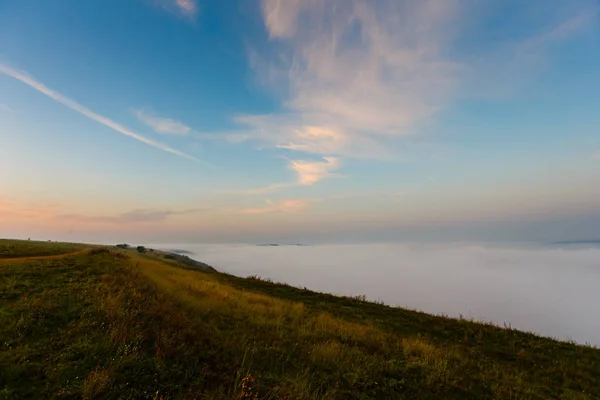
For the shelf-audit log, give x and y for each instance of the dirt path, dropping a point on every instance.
(37, 258)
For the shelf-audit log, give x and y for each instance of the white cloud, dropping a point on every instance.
(308, 173)
(187, 6)
(183, 8)
(162, 125)
(292, 132)
(281, 16)
(357, 75)
(40, 87)
(357, 72)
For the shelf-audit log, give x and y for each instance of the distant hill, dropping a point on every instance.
(179, 251)
(99, 322)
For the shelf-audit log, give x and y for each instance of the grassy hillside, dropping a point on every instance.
(107, 323)
(20, 248)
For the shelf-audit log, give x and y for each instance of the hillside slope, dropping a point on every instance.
(107, 323)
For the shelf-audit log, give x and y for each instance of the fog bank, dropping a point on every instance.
(551, 291)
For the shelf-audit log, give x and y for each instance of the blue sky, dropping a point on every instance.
(353, 120)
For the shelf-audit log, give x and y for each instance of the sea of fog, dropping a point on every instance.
(554, 291)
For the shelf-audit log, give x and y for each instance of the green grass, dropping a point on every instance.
(19, 248)
(117, 324)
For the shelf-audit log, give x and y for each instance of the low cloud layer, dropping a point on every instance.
(552, 291)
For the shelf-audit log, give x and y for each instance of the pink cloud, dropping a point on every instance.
(285, 206)
(308, 173)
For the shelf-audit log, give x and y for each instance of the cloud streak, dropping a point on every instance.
(6, 108)
(40, 87)
(160, 124)
(564, 30)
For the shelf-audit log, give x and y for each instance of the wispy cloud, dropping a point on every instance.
(187, 6)
(308, 173)
(596, 156)
(290, 131)
(4, 107)
(40, 87)
(160, 124)
(183, 8)
(358, 72)
(358, 75)
(563, 30)
(284, 206)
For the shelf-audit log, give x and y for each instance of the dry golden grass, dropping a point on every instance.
(96, 382)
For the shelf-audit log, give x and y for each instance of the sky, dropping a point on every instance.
(185, 121)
